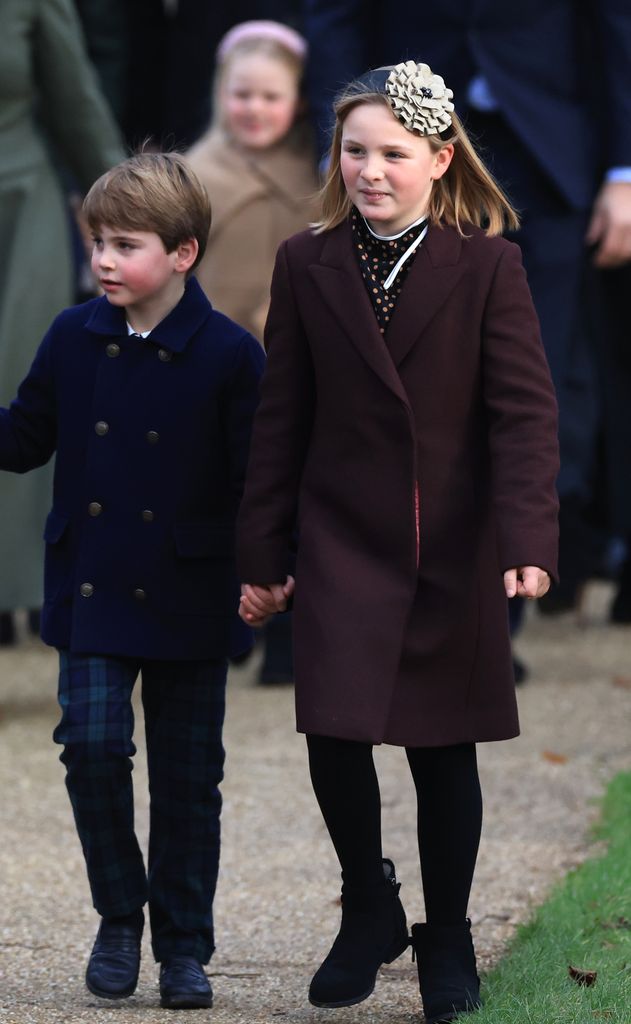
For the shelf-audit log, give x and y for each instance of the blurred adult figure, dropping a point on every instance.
(51, 112)
(546, 89)
(106, 28)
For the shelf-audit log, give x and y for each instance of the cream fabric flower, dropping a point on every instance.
(419, 98)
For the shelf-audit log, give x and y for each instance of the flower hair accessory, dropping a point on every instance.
(419, 98)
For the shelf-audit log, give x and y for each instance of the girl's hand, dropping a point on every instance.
(259, 602)
(526, 581)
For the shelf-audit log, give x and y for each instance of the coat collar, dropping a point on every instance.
(173, 333)
(434, 274)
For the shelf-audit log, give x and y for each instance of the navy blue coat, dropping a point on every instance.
(152, 440)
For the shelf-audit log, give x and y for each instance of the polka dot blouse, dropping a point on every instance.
(377, 258)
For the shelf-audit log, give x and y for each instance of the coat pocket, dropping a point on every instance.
(58, 560)
(204, 540)
(56, 526)
(204, 579)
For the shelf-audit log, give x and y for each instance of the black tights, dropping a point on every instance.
(449, 817)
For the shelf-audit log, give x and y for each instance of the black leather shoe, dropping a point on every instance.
(373, 932)
(184, 985)
(115, 959)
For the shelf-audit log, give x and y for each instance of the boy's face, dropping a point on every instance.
(133, 267)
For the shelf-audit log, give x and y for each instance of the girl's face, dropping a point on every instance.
(259, 100)
(388, 172)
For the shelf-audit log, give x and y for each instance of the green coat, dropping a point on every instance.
(49, 101)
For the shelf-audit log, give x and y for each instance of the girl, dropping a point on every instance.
(408, 419)
(257, 164)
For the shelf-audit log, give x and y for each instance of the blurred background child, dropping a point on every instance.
(258, 165)
(257, 162)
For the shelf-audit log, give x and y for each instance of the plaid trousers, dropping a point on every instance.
(184, 704)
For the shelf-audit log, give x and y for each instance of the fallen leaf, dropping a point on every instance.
(624, 682)
(620, 922)
(586, 978)
(549, 755)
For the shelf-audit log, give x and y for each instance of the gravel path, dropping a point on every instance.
(277, 905)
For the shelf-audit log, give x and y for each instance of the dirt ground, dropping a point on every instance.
(277, 903)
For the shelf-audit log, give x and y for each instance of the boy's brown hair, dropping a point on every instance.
(152, 192)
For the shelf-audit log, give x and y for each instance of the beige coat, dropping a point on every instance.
(256, 204)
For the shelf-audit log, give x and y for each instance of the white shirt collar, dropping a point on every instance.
(138, 334)
(399, 234)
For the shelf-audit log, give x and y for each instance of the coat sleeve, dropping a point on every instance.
(282, 428)
(72, 107)
(522, 422)
(28, 428)
(612, 22)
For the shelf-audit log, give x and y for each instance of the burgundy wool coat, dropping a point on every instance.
(418, 469)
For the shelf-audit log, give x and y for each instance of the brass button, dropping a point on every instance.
(153, 436)
(164, 356)
(101, 428)
(113, 350)
(95, 508)
(86, 590)
(147, 515)
(139, 594)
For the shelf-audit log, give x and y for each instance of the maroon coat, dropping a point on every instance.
(398, 641)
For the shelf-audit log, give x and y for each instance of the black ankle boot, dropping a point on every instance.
(373, 932)
(447, 974)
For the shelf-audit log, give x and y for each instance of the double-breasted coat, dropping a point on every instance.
(257, 200)
(50, 104)
(151, 440)
(419, 467)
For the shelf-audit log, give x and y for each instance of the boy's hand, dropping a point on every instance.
(259, 602)
(526, 581)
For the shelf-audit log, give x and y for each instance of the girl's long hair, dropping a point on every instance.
(467, 193)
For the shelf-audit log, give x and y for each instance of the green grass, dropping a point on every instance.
(586, 922)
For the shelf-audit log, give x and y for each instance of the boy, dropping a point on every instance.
(147, 396)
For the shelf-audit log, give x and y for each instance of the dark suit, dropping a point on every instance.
(401, 636)
(564, 117)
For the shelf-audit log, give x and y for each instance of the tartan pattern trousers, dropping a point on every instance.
(184, 703)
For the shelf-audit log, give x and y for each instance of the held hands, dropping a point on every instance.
(258, 603)
(527, 581)
(610, 225)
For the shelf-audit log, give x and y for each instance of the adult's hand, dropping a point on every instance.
(610, 225)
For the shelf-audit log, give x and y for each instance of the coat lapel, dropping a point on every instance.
(340, 283)
(434, 274)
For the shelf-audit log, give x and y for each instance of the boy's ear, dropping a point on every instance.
(186, 254)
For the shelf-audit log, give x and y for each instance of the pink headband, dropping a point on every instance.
(282, 34)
